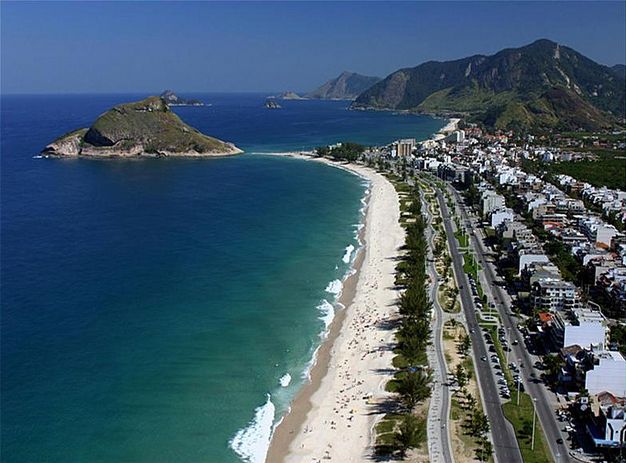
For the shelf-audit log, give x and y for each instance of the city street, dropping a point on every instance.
(503, 436)
(519, 353)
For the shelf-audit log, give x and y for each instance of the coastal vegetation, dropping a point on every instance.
(403, 429)
(606, 168)
(346, 151)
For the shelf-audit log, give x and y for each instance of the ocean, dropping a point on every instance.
(168, 310)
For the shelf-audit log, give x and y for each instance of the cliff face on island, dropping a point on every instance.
(146, 128)
(542, 84)
(347, 86)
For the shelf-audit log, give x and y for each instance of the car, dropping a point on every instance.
(483, 358)
(501, 381)
(559, 441)
(515, 342)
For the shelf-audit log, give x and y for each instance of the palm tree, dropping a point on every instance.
(413, 387)
(410, 433)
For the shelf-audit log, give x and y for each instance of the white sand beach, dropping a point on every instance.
(333, 419)
(451, 126)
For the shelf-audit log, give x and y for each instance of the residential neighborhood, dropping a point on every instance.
(559, 244)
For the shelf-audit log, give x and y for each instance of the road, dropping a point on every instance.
(502, 433)
(534, 388)
(440, 400)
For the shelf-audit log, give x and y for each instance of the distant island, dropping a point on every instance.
(289, 95)
(346, 86)
(271, 103)
(146, 128)
(174, 100)
(540, 85)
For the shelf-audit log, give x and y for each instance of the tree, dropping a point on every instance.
(465, 344)
(322, 151)
(470, 401)
(410, 433)
(413, 387)
(484, 450)
(460, 376)
(553, 364)
(479, 424)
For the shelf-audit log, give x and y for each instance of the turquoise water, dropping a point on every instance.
(151, 310)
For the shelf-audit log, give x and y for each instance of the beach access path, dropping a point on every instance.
(333, 417)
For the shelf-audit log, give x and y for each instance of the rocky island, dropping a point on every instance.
(289, 95)
(174, 100)
(271, 103)
(146, 128)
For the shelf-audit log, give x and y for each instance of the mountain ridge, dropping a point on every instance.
(540, 84)
(346, 86)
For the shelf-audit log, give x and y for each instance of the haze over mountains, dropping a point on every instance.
(541, 84)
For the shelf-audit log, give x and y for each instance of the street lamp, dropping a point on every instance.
(508, 347)
(532, 444)
(519, 380)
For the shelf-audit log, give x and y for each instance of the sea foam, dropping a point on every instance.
(285, 380)
(252, 442)
(334, 287)
(348, 253)
(328, 313)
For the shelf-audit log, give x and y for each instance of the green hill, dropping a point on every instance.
(542, 84)
(143, 128)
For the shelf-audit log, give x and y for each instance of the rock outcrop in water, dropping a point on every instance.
(271, 103)
(146, 128)
(174, 100)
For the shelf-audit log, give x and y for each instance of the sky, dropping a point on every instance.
(119, 47)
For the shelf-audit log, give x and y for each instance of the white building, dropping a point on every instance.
(608, 375)
(491, 201)
(526, 259)
(588, 330)
(500, 216)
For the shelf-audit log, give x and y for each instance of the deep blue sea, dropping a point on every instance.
(167, 310)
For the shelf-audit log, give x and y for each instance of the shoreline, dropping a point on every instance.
(346, 382)
(451, 126)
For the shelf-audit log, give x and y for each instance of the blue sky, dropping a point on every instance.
(73, 47)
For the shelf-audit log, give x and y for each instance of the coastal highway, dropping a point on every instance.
(502, 434)
(533, 386)
(441, 445)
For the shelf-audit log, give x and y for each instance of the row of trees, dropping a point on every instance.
(412, 381)
(476, 422)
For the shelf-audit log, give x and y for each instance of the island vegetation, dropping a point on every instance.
(147, 128)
